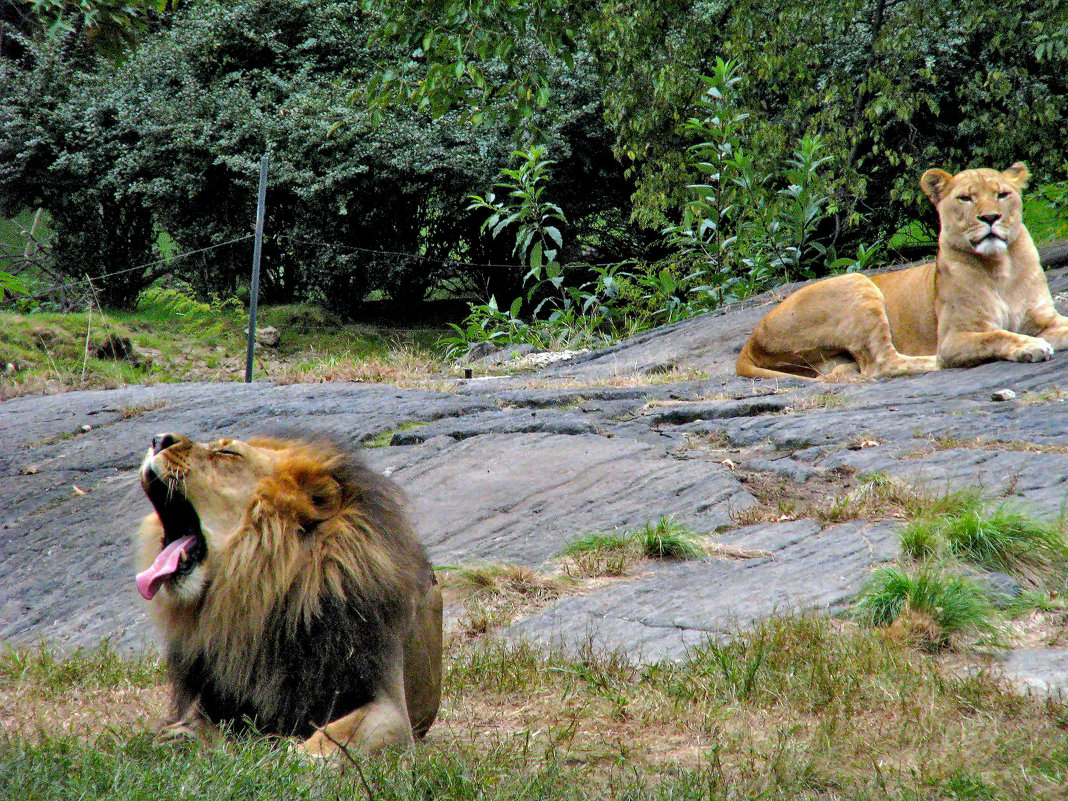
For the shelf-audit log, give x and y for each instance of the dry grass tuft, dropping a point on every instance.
(494, 595)
(987, 444)
(831, 499)
(721, 550)
(1052, 394)
(402, 366)
(819, 400)
(672, 376)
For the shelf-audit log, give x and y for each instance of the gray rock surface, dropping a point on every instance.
(1040, 670)
(512, 469)
(675, 607)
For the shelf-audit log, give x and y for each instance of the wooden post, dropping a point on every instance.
(256, 250)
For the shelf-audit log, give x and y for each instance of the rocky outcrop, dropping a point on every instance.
(513, 469)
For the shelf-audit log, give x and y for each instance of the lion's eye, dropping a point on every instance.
(964, 198)
(226, 452)
(1003, 194)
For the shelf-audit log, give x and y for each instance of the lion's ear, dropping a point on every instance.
(324, 498)
(934, 183)
(1017, 175)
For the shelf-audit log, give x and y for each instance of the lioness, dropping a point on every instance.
(985, 298)
(291, 593)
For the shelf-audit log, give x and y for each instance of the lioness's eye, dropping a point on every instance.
(1003, 195)
(226, 452)
(965, 198)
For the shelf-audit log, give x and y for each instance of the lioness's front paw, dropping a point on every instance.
(1037, 350)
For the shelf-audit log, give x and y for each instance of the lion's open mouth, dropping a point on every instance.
(183, 546)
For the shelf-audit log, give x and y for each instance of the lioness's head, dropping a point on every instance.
(980, 210)
(205, 495)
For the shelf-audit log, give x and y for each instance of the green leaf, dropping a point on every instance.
(535, 255)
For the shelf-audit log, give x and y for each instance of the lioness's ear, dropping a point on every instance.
(934, 183)
(1017, 175)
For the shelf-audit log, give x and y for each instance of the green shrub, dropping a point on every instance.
(893, 88)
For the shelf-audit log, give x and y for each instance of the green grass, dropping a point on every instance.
(384, 439)
(183, 339)
(999, 538)
(946, 603)
(669, 540)
(136, 768)
(53, 672)
(1033, 601)
(799, 708)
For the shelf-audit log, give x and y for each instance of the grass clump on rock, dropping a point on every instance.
(1001, 539)
(927, 605)
(618, 554)
(667, 539)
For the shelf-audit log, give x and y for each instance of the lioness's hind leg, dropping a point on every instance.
(872, 344)
(1056, 333)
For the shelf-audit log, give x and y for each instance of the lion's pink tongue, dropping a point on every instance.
(149, 580)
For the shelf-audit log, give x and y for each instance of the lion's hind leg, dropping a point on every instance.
(379, 724)
(371, 728)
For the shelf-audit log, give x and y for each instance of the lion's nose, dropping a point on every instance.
(990, 219)
(161, 442)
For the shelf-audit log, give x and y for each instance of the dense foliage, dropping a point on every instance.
(359, 197)
(892, 86)
(383, 116)
(108, 26)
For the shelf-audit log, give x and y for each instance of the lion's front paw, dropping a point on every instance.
(180, 732)
(1037, 350)
(313, 753)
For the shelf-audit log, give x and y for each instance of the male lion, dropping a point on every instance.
(291, 594)
(985, 298)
